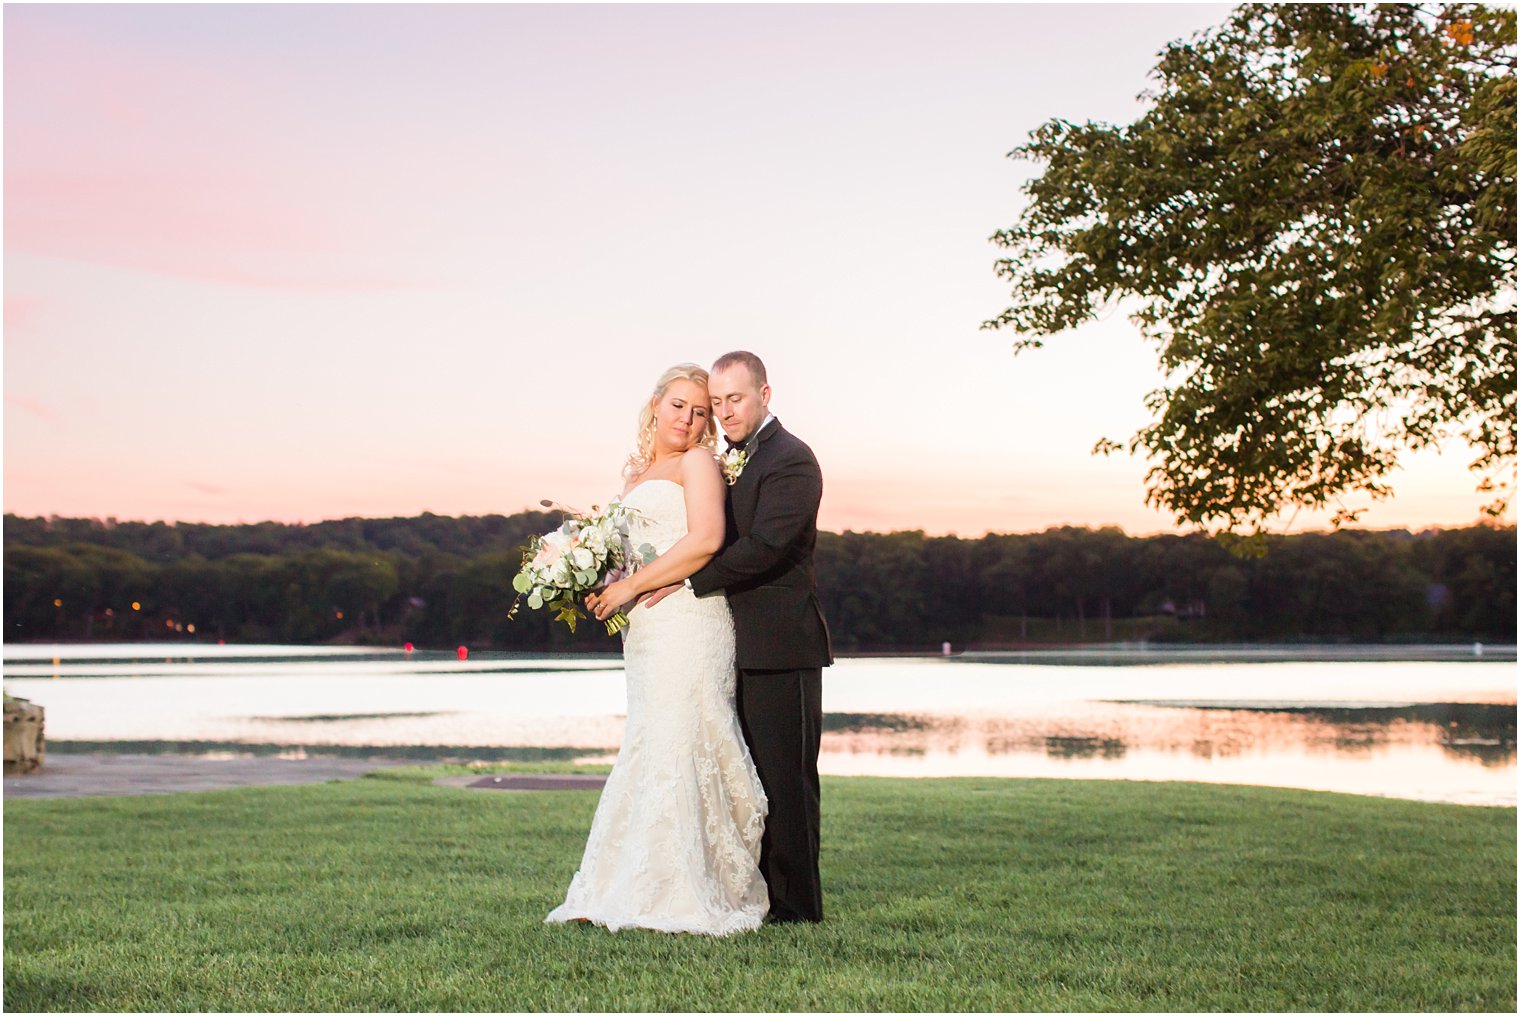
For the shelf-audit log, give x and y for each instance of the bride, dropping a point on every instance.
(675, 843)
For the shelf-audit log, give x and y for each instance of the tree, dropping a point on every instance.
(1316, 217)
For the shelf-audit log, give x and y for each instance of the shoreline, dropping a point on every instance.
(135, 768)
(1078, 654)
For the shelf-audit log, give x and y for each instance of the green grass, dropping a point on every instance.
(391, 894)
(427, 773)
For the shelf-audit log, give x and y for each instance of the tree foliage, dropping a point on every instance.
(71, 579)
(1316, 218)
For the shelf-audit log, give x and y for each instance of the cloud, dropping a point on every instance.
(134, 156)
(32, 406)
(170, 225)
(21, 312)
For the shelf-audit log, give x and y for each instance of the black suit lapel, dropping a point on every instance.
(754, 449)
(766, 435)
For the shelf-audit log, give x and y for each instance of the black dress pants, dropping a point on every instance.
(781, 713)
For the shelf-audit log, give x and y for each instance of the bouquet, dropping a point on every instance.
(584, 554)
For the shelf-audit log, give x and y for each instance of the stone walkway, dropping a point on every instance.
(100, 775)
(95, 775)
(526, 781)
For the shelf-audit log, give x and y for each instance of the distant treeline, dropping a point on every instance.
(438, 581)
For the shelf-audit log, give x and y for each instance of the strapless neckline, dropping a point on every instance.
(645, 483)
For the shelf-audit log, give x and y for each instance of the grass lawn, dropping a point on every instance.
(388, 893)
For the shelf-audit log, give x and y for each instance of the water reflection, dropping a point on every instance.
(1428, 729)
(1477, 732)
(852, 722)
(1084, 747)
(350, 717)
(392, 752)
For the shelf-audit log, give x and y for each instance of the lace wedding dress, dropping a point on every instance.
(675, 842)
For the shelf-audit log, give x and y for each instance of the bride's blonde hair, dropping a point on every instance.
(643, 456)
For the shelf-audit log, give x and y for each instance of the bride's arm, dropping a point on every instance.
(703, 484)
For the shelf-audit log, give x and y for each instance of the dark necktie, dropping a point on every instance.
(732, 444)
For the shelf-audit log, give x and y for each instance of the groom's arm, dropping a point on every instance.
(786, 510)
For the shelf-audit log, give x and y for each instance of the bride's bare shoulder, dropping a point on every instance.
(698, 461)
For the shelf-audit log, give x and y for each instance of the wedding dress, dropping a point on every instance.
(675, 842)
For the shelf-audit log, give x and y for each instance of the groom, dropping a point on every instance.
(782, 643)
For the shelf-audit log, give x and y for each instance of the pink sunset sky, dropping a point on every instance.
(308, 262)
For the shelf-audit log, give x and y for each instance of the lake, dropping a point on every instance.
(1427, 723)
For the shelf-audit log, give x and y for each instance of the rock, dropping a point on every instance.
(23, 736)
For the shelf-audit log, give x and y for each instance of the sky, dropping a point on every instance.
(296, 263)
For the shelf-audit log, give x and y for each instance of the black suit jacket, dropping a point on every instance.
(766, 564)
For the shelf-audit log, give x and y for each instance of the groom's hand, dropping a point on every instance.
(649, 599)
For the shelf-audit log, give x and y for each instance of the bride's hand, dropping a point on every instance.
(609, 599)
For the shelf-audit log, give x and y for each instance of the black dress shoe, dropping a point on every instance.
(787, 917)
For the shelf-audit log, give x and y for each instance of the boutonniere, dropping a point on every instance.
(733, 462)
